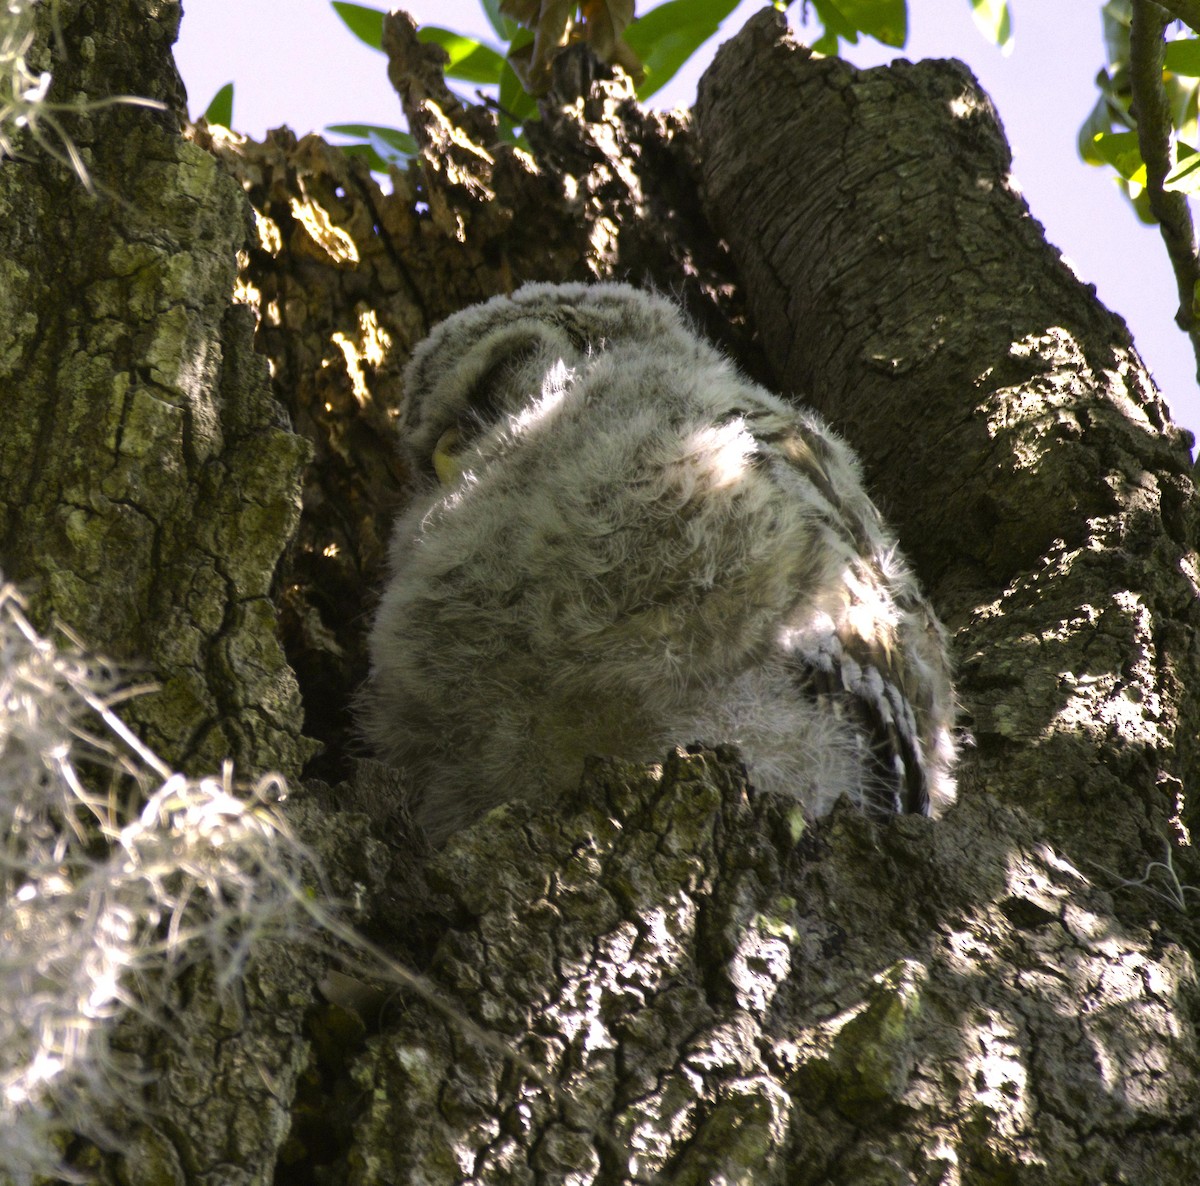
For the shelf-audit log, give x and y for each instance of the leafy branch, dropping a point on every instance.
(1152, 112)
(651, 47)
(1144, 125)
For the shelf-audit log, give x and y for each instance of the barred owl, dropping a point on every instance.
(623, 544)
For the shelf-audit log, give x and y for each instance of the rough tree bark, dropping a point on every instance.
(696, 988)
(148, 483)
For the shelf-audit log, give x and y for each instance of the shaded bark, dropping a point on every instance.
(694, 986)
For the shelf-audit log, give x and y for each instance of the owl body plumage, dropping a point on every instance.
(637, 547)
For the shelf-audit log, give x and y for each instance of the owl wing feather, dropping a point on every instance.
(881, 656)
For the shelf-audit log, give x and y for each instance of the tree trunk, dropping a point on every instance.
(1009, 427)
(681, 982)
(147, 482)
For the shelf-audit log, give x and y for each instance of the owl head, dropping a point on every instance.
(489, 360)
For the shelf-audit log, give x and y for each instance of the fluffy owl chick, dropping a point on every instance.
(632, 546)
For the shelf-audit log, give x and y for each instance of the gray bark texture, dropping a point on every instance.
(666, 977)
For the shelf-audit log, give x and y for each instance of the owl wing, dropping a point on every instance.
(874, 650)
(864, 673)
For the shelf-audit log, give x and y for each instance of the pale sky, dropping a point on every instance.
(293, 62)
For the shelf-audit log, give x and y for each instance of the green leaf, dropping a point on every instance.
(837, 27)
(1185, 177)
(1116, 17)
(470, 61)
(382, 146)
(504, 27)
(365, 23)
(1098, 122)
(1140, 201)
(668, 35)
(827, 45)
(375, 162)
(1120, 149)
(220, 110)
(395, 138)
(515, 105)
(993, 21)
(885, 20)
(660, 19)
(1183, 57)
